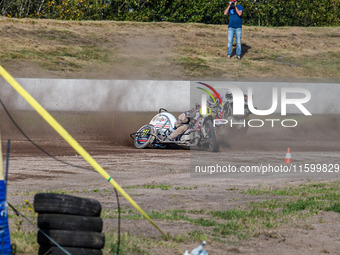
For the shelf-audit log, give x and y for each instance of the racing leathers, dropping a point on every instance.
(182, 124)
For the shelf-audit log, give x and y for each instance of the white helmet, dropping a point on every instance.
(228, 95)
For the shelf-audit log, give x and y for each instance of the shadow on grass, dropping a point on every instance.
(244, 50)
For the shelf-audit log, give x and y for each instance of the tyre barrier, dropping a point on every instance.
(66, 204)
(73, 222)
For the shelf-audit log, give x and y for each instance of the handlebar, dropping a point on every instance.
(162, 109)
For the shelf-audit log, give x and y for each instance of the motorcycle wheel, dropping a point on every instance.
(237, 131)
(213, 144)
(144, 136)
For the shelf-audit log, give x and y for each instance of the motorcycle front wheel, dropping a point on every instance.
(144, 136)
(213, 144)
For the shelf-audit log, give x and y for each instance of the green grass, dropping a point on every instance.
(150, 186)
(162, 187)
(278, 207)
(61, 58)
(128, 244)
(157, 186)
(308, 188)
(311, 197)
(186, 188)
(131, 244)
(335, 208)
(58, 191)
(26, 242)
(197, 66)
(239, 223)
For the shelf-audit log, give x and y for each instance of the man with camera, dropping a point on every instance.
(235, 12)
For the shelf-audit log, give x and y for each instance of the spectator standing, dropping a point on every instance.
(235, 12)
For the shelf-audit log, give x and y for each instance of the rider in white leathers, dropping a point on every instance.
(182, 124)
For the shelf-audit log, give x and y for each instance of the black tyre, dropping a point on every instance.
(235, 130)
(68, 238)
(144, 136)
(70, 222)
(66, 204)
(53, 250)
(213, 144)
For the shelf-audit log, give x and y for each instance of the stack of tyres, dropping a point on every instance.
(73, 222)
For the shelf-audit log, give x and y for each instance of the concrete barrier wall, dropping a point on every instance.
(97, 95)
(324, 96)
(139, 95)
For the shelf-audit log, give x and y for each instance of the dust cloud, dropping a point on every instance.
(108, 111)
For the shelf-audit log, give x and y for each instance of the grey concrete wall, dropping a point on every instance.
(125, 95)
(96, 95)
(325, 97)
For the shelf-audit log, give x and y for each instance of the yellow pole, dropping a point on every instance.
(78, 148)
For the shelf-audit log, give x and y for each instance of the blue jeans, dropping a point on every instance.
(237, 32)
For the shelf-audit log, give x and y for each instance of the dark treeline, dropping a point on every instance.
(257, 12)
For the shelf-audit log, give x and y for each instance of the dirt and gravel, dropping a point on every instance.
(31, 171)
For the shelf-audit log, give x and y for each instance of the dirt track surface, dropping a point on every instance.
(130, 167)
(31, 171)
